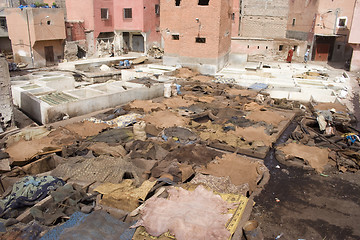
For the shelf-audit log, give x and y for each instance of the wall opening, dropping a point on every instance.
(266, 47)
(233, 16)
(175, 37)
(295, 48)
(248, 46)
(258, 47)
(127, 12)
(200, 40)
(48, 22)
(203, 2)
(177, 2)
(104, 13)
(157, 9)
(293, 21)
(338, 47)
(281, 47)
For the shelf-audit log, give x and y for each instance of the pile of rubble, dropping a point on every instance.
(155, 52)
(162, 168)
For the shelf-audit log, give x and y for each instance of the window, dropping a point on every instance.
(3, 24)
(157, 9)
(293, 22)
(175, 37)
(341, 22)
(248, 46)
(203, 2)
(295, 48)
(258, 47)
(267, 47)
(177, 2)
(233, 16)
(200, 40)
(281, 47)
(104, 13)
(127, 12)
(48, 22)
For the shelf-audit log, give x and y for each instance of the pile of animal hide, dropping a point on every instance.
(198, 214)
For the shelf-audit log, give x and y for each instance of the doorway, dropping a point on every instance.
(49, 55)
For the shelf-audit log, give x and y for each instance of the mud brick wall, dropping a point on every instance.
(6, 105)
(264, 18)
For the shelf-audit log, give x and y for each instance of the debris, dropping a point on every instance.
(277, 200)
(139, 131)
(240, 169)
(252, 230)
(155, 52)
(164, 119)
(120, 122)
(124, 195)
(28, 191)
(104, 68)
(316, 157)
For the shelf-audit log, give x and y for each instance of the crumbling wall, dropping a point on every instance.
(6, 105)
(74, 50)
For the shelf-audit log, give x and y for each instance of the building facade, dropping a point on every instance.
(324, 24)
(114, 25)
(196, 33)
(354, 38)
(259, 30)
(37, 35)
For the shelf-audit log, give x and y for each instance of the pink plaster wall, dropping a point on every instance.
(214, 22)
(103, 25)
(136, 23)
(235, 22)
(355, 60)
(151, 21)
(77, 10)
(40, 32)
(355, 27)
(304, 11)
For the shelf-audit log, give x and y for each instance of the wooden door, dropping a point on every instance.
(49, 55)
(322, 51)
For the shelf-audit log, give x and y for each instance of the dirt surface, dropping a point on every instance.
(306, 205)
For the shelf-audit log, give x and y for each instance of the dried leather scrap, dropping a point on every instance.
(28, 191)
(240, 169)
(163, 119)
(316, 157)
(102, 169)
(99, 225)
(146, 105)
(124, 195)
(198, 214)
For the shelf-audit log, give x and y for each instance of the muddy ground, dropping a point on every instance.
(302, 204)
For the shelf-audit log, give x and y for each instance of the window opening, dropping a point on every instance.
(295, 48)
(127, 12)
(104, 13)
(175, 37)
(157, 9)
(203, 2)
(281, 47)
(177, 2)
(200, 40)
(293, 22)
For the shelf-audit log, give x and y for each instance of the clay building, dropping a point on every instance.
(324, 24)
(259, 30)
(354, 38)
(37, 35)
(196, 33)
(125, 25)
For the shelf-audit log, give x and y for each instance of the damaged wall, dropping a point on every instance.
(6, 105)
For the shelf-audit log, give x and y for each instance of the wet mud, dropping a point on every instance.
(302, 204)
